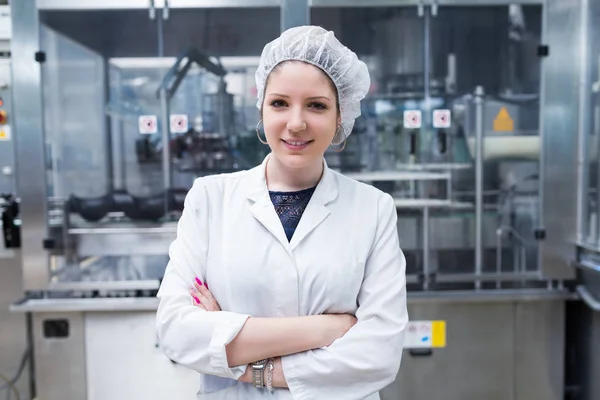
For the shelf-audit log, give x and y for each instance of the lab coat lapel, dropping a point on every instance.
(264, 212)
(261, 206)
(316, 211)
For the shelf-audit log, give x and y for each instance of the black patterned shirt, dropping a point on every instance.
(290, 206)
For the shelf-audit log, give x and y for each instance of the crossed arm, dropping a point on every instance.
(311, 362)
(262, 338)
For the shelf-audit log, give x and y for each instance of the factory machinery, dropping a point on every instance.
(475, 124)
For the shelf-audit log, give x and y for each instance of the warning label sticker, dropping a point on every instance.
(412, 119)
(441, 119)
(179, 123)
(147, 124)
(5, 133)
(503, 121)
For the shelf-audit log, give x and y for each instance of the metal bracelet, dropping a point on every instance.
(258, 378)
(269, 378)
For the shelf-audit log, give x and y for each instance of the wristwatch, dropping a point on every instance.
(258, 373)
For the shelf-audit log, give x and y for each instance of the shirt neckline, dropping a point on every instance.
(293, 192)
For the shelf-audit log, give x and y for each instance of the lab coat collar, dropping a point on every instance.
(316, 211)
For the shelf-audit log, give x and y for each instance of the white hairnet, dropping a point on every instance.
(319, 47)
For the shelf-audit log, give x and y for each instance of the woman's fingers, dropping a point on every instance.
(204, 292)
(196, 299)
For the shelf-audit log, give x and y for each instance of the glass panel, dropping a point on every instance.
(138, 103)
(96, 179)
(217, 94)
(495, 48)
(73, 76)
(84, 111)
(391, 41)
(133, 96)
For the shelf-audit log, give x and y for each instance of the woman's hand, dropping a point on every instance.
(202, 297)
(247, 377)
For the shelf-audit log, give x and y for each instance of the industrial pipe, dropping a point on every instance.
(166, 138)
(479, 137)
(426, 271)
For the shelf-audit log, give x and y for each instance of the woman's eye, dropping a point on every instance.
(278, 103)
(318, 106)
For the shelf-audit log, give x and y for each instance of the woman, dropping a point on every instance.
(287, 281)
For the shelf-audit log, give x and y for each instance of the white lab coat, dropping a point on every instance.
(344, 257)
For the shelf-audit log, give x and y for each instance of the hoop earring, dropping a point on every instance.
(258, 133)
(343, 144)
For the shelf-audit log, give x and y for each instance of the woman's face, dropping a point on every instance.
(300, 114)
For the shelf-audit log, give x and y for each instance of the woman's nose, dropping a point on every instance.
(296, 123)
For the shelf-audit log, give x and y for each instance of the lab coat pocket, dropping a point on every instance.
(344, 283)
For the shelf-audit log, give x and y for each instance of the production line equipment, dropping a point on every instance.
(455, 128)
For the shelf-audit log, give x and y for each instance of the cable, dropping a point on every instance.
(11, 386)
(20, 370)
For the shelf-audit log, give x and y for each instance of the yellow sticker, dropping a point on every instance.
(438, 333)
(5, 133)
(503, 122)
(425, 334)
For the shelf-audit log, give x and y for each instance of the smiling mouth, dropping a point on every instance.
(297, 143)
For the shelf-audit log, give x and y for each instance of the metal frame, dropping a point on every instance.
(31, 174)
(222, 3)
(92, 4)
(485, 2)
(584, 120)
(150, 304)
(541, 129)
(32, 178)
(173, 4)
(479, 139)
(559, 104)
(146, 4)
(588, 215)
(363, 3)
(393, 3)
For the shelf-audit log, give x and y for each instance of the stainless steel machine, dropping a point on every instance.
(469, 125)
(14, 348)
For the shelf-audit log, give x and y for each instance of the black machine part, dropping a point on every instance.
(137, 208)
(11, 230)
